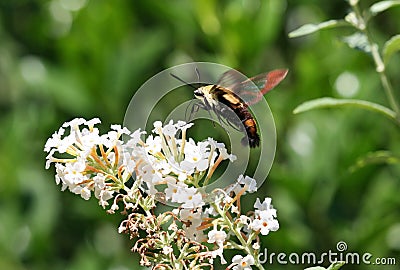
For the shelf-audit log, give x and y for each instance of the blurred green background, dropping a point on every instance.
(63, 59)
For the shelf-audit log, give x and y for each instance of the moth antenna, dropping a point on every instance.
(179, 79)
(198, 74)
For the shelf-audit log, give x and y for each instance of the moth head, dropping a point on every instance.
(199, 93)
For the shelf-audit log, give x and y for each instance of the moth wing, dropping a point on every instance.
(253, 89)
(231, 78)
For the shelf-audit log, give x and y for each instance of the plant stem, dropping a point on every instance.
(389, 93)
(380, 65)
(239, 236)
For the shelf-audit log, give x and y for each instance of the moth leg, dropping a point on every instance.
(223, 119)
(218, 114)
(234, 125)
(194, 109)
(227, 119)
(208, 108)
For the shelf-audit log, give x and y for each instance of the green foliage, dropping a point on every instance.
(391, 47)
(362, 40)
(376, 157)
(312, 28)
(382, 6)
(333, 102)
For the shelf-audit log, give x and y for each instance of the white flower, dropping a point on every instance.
(120, 130)
(171, 192)
(73, 173)
(135, 138)
(102, 162)
(183, 169)
(183, 125)
(59, 173)
(169, 129)
(210, 211)
(157, 124)
(122, 227)
(55, 140)
(167, 250)
(173, 227)
(60, 145)
(149, 174)
(74, 123)
(191, 215)
(217, 236)
(256, 245)
(153, 144)
(264, 206)
(162, 166)
(197, 155)
(103, 196)
(214, 143)
(89, 138)
(242, 263)
(83, 191)
(93, 122)
(219, 252)
(245, 220)
(189, 197)
(128, 161)
(112, 137)
(99, 181)
(265, 222)
(226, 199)
(193, 233)
(249, 183)
(224, 154)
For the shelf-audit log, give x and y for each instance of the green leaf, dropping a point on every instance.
(311, 28)
(333, 102)
(382, 6)
(391, 46)
(375, 158)
(336, 265)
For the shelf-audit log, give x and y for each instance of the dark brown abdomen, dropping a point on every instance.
(239, 107)
(250, 125)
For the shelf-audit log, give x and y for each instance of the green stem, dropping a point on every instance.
(183, 251)
(137, 200)
(245, 245)
(380, 65)
(389, 93)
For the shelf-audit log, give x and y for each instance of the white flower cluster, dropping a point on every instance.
(242, 262)
(87, 161)
(246, 228)
(178, 166)
(169, 167)
(265, 217)
(163, 164)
